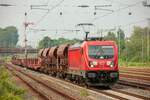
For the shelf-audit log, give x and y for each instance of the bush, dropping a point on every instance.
(8, 90)
(133, 64)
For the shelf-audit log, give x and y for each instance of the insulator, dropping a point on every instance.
(130, 13)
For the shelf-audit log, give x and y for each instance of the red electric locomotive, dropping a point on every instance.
(93, 62)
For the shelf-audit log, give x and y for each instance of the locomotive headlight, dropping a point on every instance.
(110, 63)
(93, 63)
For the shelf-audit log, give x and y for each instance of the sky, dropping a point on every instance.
(51, 23)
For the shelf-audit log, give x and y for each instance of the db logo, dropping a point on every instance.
(101, 63)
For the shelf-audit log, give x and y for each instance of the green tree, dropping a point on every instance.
(8, 36)
(137, 45)
(44, 43)
(47, 42)
(121, 41)
(110, 36)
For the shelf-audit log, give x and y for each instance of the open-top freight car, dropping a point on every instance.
(92, 62)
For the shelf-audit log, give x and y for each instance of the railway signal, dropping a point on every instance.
(26, 24)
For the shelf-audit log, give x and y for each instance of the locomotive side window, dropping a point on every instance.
(101, 52)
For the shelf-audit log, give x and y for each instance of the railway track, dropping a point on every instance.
(144, 70)
(139, 78)
(110, 93)
(136, 72)
(135, 76)
(43, 89)
(131, 94)
(27, 83)
(116, 93)
(134, 84)
(120, 94)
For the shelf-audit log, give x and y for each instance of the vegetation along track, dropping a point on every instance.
(42, 89)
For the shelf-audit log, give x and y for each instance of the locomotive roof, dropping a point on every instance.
(97, 42)
(76, 45)
(100, 42)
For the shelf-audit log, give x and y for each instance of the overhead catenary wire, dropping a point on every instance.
(118, 2)
(129, 24)
(128, 6)
(42, 18)
(120, 9)
(133, 22)
(47, 2)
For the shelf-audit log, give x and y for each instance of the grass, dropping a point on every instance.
(134, 64)
(8, 89)
(84, 93)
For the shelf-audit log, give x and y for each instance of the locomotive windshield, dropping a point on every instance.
(101, 52)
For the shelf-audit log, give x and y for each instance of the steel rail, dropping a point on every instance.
(43, 83)
(29, 85)
(134, 84)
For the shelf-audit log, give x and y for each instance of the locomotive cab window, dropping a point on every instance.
(101, 52)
